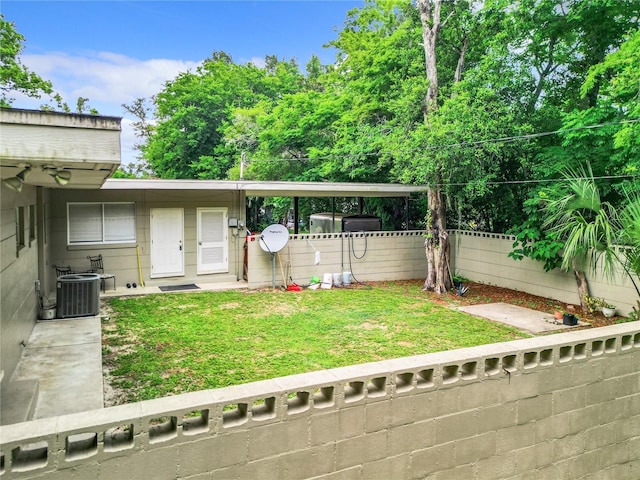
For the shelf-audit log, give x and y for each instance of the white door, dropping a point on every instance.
(167, 242)
(213, 241)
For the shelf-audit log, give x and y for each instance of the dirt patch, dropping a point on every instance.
(367, 326)
(113, 394)
(229, 306)
(479, 293)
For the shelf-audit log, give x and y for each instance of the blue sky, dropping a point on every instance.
(115, 51)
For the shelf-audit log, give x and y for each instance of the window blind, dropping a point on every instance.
(101, 223)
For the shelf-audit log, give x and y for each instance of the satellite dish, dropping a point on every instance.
(274, 238)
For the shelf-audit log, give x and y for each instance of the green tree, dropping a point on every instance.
(296, 131)
(82, 106)
(14, 76)
(195, 108)
(441, 21)
(478, 172)
(616, 80)
(630, 236)
(587, 227)
(612, 149)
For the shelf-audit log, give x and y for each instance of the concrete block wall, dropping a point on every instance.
(483, 257)
(370, 256)
(559, 406)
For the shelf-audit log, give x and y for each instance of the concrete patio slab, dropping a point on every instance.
(526, 319)
(123, 291)
(65, 357)
(60, 370)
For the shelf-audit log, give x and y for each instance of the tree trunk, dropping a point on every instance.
(461, 58)
(430, 20)
(437, 245)
(437, 241)
(583, 289)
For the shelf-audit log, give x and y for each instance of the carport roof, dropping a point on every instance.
(270, 189)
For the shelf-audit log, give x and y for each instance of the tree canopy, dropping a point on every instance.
(505, 71)
(489, 103)
(14, 76)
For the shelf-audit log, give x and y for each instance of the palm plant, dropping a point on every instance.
(630, 219)
(592, 230)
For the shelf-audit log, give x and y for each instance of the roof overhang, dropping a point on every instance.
(270, 189)
(85, 146)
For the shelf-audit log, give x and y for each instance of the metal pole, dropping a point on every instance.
(296, 213)
(406, 212)
(273, 270)
(333, 214)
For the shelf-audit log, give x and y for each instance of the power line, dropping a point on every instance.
(509, 139)
(551, 180)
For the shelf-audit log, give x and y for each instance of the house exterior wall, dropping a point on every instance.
(370, 256)
(558, 406)
(483, 257)
(121, 259)
(18, 274)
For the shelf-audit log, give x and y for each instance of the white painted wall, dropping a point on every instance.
(121, 259)
(370, 256)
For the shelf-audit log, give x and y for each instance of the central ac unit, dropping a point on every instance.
(78, 295)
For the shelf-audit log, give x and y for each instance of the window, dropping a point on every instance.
(91, 223)
(20, 226)
(32, 224)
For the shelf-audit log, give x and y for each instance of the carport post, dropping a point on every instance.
(406, 212)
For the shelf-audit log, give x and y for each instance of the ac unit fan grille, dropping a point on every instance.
(78, 295)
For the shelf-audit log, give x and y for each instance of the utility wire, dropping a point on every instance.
(550, 180)
(451, 145)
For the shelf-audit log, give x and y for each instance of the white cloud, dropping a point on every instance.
(258, 62)
(107, 79)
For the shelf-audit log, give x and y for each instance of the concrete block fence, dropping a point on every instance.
(376, 256)
(370, 256)
(484, 257)
(560, 406)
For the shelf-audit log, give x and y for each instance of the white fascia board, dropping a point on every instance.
(271, 189)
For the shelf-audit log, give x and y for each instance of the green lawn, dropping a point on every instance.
(165, 344)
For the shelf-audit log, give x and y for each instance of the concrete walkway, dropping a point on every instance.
(65, 357)
(526, 319)
(60, 370)
(123, 291)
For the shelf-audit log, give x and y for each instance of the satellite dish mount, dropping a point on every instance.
(273, 239)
